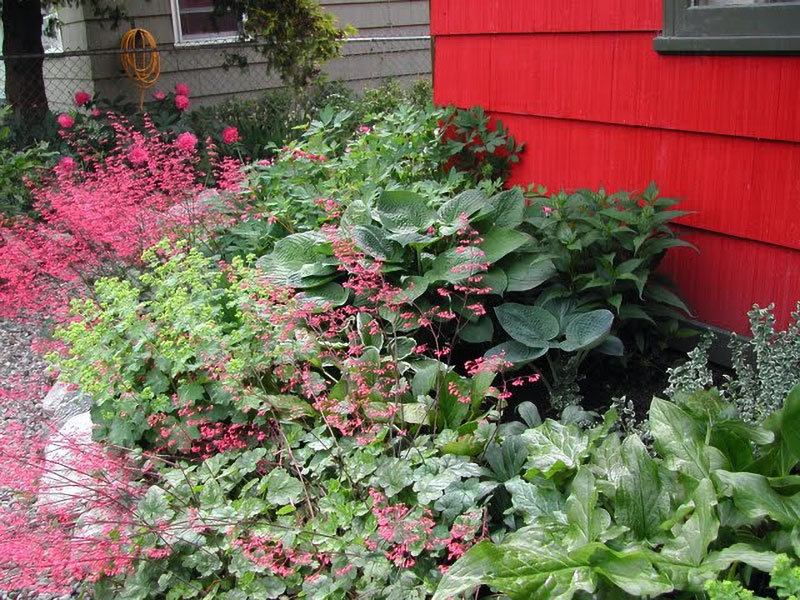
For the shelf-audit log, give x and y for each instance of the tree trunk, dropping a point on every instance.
(22, 35)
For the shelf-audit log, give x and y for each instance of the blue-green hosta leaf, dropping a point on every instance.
(497, 243)
(554, 447)
(477, 333)
(642, 500)
(426, 372)
(411, 288)
(516, 353)
(373, 241)
(528, 272)
(587, 329)
(466, 203)
(330, 294)
(679, 440)
(404, 211)
(456, 264)
(406, 237)
(401, 347)
(529, 325)
(755, 497)
(282, 488)
(611, 346)
(587, 522)
(534, 500)
(496, 279)
(507, 208)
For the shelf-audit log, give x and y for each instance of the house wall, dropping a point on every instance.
(201, 67)
(580, 83)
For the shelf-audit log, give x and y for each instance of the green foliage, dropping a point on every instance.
(766, 366)
(606, 249)
(784, 580)
(642, 525)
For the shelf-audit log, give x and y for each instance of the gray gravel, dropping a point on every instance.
(20, 364)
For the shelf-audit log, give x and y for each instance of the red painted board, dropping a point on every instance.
(729, 275)
(619, 78)
(454, 17)
(740, 187)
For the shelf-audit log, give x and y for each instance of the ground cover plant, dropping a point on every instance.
(321, 389)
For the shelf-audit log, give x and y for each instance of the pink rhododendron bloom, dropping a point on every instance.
(82, 98)
(95, 112)
(365, 129)
(181, 89)
(230, 135)
(186, 141)
(137, 155)
(181, 102)
(66, 165)
(159, 95)
(65, 120)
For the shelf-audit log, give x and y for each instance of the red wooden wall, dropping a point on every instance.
(579, 82)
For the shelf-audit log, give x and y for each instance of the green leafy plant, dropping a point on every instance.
(606, 248)
(621, 521)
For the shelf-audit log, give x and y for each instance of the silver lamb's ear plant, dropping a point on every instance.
(767, 366)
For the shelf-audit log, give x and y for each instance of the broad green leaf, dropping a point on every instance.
(393, 475)
(690, 546)
(753, 495)
(466, 203)
(587, 329)
(679, 440)
(400, 210)
(665, 296)
(412, 288)
(611, 346)
(508, 208)
(515, 353)
(452, 410)
(426, 373)
(497, 243)
(282, 488)
(534, 500)
(784, 453)
(587, 522)
(506, 460)
(529, 325)
(553, 447)
(496, 279)
(330, 294)
(457, 264)
(527, 272)
(373, 241)
(743, 553)
(642, 500)
(477, 333)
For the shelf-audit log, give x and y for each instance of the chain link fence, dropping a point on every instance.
(216, 72)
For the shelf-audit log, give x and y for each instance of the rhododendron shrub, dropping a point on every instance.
(99, 213)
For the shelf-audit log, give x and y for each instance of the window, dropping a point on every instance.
(730, 26)
(195, 20)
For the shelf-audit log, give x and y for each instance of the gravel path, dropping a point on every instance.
(21, 368)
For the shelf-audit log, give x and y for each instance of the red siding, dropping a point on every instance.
(579, 82)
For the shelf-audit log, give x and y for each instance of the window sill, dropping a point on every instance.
(207, 41)
(728, 45)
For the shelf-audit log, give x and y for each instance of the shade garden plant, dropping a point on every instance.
(320, 389)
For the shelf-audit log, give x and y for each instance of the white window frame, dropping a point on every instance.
(196, 38)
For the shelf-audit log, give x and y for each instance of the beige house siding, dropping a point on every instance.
(201, 66)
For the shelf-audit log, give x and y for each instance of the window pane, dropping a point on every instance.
(742, 2)
(206, 24)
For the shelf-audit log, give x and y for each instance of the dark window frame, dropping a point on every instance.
(758, 28)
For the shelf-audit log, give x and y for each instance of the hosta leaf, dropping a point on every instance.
(373, 241)
(412, 288)
(497, 243)
(587, 329)
(496, 279)
(554, 447)
(526, 273)
(477, 333)
(508, 208)
(330, 294)
(611, 346)
(516, 353)
(529, 325)
(466, 203)
(400, 210)
(456, 264)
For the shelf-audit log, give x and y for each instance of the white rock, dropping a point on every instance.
(63, 482)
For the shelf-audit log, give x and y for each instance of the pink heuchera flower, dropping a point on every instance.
(82, 98)
(181, 89)
(181, 102)
(230, 135)
(186, 141)
(65, 120)
(137, 155)
(159, 95)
